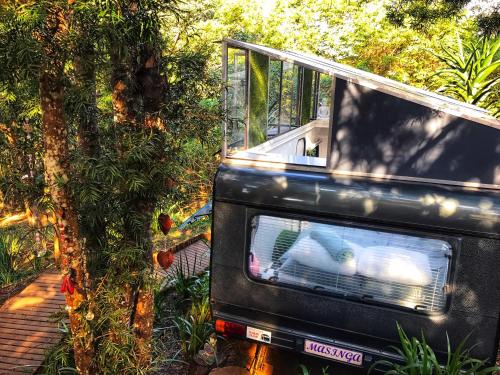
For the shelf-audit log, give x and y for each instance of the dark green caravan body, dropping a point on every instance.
(347, 202)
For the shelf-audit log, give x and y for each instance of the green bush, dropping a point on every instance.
(8, 269)
(59, 359)
(195, 328)
(420, 359)
(21, 255)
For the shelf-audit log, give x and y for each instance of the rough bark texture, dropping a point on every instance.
(122, 93)
(142, 310)
(88, 132)
(143, 325)
(56, 161)
(152, 87)
(94, 228)
(137, 96)
(138, 93)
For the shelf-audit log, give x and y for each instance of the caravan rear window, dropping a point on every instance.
(378, 266)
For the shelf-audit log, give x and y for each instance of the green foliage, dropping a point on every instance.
(473, 73)
(195, 328)
(187, 284)
(199, 288)
(352, 32)
(420, 359)
(419, 14)
(140, 169)
(59, 359)
(303, 370)
(9, 246)
(20, 255)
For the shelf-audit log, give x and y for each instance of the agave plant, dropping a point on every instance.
(472, 73)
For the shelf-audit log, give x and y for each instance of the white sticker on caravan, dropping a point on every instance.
(333, 352)
(258, 335)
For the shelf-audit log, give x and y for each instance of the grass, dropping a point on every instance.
(186, 301)
(9, 272)
(194, 326)
(303, 370)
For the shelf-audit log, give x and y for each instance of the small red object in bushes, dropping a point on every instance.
(165, 223)
(67, 285)
(165, 259)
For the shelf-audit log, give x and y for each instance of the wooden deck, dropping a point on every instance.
(26, 330)
(195, 258)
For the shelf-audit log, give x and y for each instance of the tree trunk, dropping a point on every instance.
(88, 132)
(142, 309)
(137, 95)
(152, 89)
(124, 110)
(57, 170)
(93, 228)
(138, 92)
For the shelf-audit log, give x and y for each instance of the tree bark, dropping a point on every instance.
(57, 171)
(85, 71)
(93, 228)
(137, 96)
(152, 89)
(138, 93)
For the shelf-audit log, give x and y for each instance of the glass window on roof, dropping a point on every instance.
(236, 99)
(270, 111)
(324, 96)
(288, 119)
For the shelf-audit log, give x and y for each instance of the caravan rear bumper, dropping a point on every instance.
(288, 338)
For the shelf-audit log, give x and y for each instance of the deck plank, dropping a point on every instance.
(193, 259)
(26, 328)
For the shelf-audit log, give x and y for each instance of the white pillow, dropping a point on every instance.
(393, 264)
(310, 253)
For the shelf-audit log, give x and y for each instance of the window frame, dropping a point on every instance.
(453, 241)
(295, 109)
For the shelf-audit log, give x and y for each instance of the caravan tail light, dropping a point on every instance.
(229, 328)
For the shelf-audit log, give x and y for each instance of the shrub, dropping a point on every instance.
(8, 269)
(420, 359)
(59, 359)
(195, 328)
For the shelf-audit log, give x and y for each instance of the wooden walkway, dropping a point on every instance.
(194, 258)
(26, 330)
